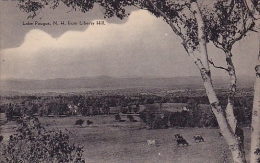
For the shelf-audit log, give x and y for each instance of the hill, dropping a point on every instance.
(105, 82)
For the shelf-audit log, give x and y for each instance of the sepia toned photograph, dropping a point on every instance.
(129, 81)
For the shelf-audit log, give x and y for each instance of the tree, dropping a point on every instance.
(186, 20)
(194, 113)
(226, 24)
(253, 7)
(34, 143)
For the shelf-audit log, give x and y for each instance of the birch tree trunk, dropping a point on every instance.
(232, 90)
(255, 125)
(232, 121)
(202, 63)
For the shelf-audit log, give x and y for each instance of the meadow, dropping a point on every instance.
(109, 141)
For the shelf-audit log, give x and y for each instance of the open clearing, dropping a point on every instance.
(108, 141)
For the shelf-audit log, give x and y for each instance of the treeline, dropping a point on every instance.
(95, 105)
(74, 105)
(196, 115)
(191, 118)
(178, 119)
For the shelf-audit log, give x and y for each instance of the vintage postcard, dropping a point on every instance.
(129, 81)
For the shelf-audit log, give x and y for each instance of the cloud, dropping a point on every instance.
(133, 48)
(143, 46)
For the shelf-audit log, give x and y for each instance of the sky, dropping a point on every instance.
(140, 45)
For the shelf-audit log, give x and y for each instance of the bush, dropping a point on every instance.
(192, 119)
(123, 110)
(33, 143)
(179, 119)
(154, 121)
(161, 122)
(136, 109)
(12, 113)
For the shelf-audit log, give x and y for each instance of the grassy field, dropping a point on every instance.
(108, 141)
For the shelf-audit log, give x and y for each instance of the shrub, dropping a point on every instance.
(161, 122)
(154, 121)
(123, 110)
(136, 109)
(179, 119)
(192, 119)
(12, 113)
(33, 143)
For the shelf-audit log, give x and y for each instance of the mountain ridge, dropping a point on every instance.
(114, 82)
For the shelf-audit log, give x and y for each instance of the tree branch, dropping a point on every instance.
(239, 37)
(217, 44)
(219, 67)
(253, 30)
(178, 27)
(251, 9)
(140, 7)
(232, 5)
(169, 21)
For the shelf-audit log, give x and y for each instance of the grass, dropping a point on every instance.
(108, 141)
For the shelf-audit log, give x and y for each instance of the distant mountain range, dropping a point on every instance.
(115, 82)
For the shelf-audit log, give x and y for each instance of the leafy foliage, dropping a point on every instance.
(13, 112)
(175, 13)
(179, 119)
(155, 121)
(33, 143)
(257, 152)
(226, 23)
